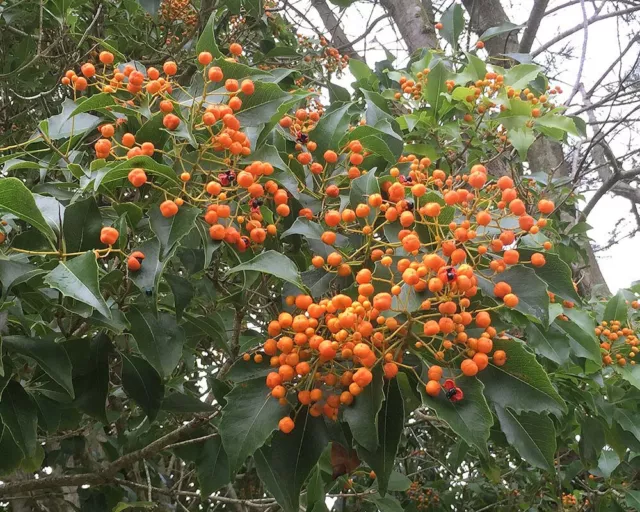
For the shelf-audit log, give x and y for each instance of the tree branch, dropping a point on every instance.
(607, 186)
(102, 477)
(332, 24)
(577, 28)
(533, 24)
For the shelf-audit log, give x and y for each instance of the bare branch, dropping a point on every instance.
(583, 56)
(529, 34)
(607, 186)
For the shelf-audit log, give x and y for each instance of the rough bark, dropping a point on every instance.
(337, 36)
(414, 19)
(485, 14)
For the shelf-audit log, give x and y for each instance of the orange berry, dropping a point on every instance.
(469, 368)
(433, 388)
(286, 424)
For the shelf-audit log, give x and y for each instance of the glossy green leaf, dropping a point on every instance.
(207, 40)
(362, 414)
(142, 383)
(275, 264)
(13, 272)
(212, 466)
(259, 107)
(82, 226)
(16, 199)
(172, 229)
(452, 24)
(533, 435)
(183, 292)
(470, 418)
(20, 417)
(503, 28)
(519, 76)
(521, 384)
(248, 419)
(50, 356)
(78, 278)
(616, 308)
(284, 466)
(390, 426)
(159, 338)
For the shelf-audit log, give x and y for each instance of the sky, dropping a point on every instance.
(603, 46)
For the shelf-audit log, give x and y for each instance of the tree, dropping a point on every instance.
(220, 289)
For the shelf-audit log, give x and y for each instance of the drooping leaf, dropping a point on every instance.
(579, 329)
(470, 418)
(173, 229)
(362, 414)
(330, 129)
(608, 462)
(435, 87)
(207, 40)
(527, 286)
(552, 343)
(212, 466)
(616, 308)
(159, 338)
(533, 435)
(12, 273)
(390, 427)
(91, 377)
(521, 383)
(82, 225)
(258, 108)
(503, 28)
(275, 264)
(285, 465)
(20, 417)
(16, 199)
(248, 419)
(183, 292)
(142, 383)
(78, 278)
(61, 126)
(519, 76)
(452, 24)
(51, 357)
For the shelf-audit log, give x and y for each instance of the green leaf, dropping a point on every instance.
(51, 357)
(142, 383)
(91, 377)
(207, 40)
(78, 278)
(533, 435)
(398, 482)
(521, 383)
(248, 419)
(390, 426)
(452, 25)
(530, 289)
(160, 339)
(555, 272)
(211, 329)
(259, 107)
(275, 264)
(120, 170)
(12, 273)
(551, 120)
(20, 417)
(616, 308)
(183, 292)
(212, 466)
(360, 190)
(519, 76)
(182, 403)
(95, 102)
(62, 127)
(284, 466)
(173, 229)
(470, 418)
(362, 414)
(359, 69)
(503, 28)
(380, 140)
(435, 87)
(11, 453)
(551, 344)
(16, 199)
(608, 462)
(330, 129)
(628, 420)
(521, 140)
(385, 504)
(148, 276)
(632, 499)
(82, 226)
(580, 332)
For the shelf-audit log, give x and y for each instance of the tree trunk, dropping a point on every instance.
(414, 19)
(338, 38)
